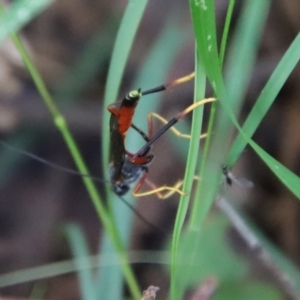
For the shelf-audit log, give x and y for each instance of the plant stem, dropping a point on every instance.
(61, 124)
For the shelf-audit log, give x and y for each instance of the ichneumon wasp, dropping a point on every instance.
(127, 168)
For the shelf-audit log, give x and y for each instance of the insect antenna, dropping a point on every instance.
(51, 164)
(76, 173)
(141, 217)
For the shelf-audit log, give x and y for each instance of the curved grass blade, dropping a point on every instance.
(204, 23)
(229, 101)
(81, 253)
(162, 54)
(266, 98)
(59, 121)
(213, 113)
(68, 266)
(291, 181)
(287, 177)
(206, 35)
(203, 16)
(124, 40)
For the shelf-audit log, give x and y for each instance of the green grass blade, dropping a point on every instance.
(204, 23)
(198, 205)
(158, 62)
(62, 126)
(124, 40)
(188, 180)
(182, 277)
(109, 279)
(74, 151)
(224, 127)
(288, 178)
(19, 14)
(67, 267)
(267, 97)
(205, 33)
(81, 253)
(185, 272)
(250, 15)
(212, 118)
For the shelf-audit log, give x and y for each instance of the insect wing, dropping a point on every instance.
(242, 182)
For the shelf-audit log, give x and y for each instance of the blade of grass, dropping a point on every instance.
(81, 253)
(204, 28)
(203, 17)
(19, 13)
(214, 105)
(68, 266)
(86, 66)
(124, 40)
(188, 180)
(38, 291)
(158, 62)
(288, 178)
(186, 272)
(59, 121)
(266, 98)
(197, 204)
(253, 11)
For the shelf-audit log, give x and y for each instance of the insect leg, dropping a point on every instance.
(142, 133)
(170, 190)
(173, 129)
(172, 122)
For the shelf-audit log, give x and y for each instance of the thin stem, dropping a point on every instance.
(226, 31)
(61, 124)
